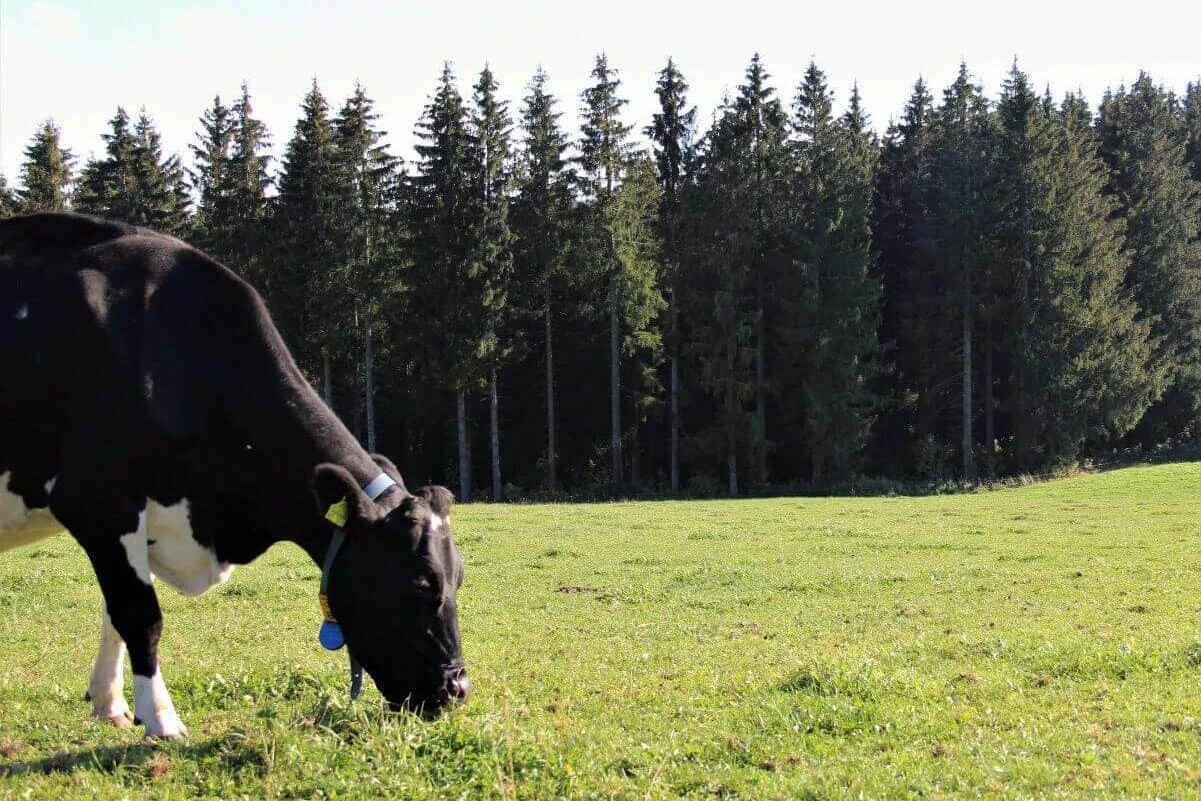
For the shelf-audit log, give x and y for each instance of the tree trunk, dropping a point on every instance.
(675, 395)
(969, 462)
(551, 459)
(635, 457)
(731, 431)
(615, 386)
(369, 379)
(327, 380)
(464, 451)
(990, 436)
(760, 387)
(494, 406)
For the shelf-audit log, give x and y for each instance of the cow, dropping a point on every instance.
(149, 407)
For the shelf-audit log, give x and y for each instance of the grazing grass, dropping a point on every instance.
(1042, 642)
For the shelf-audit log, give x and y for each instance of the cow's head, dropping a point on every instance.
(392, 588)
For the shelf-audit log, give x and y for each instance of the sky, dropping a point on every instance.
(76, 60)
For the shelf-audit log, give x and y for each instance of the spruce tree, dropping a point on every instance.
(213, 180)
(672, 130)
(162, 193)
(492, 128)
(540, 217)
(638, 249)
(763, 132)
(307, 276)
(902, 240)
(8, 199)
(247, 203)
(833, 298)
(719, 298)
(449, 282)
(603, 152)
(954, 292)
(1076, 351)
(107, 186)
(1150, 177)
(1192, 126)
(134, 182)
(47, 174)
(368, 178)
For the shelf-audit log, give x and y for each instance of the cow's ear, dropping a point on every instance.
(439, 498)
(333, 483)
(389, 469)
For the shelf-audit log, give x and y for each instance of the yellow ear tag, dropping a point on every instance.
(337, 514)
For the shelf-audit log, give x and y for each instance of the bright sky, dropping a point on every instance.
(76, 60)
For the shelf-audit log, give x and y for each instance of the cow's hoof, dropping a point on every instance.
(168, 726)
(116, 713)
(118, 721)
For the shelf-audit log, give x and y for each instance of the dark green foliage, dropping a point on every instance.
(828, 352)
(672, 131)
(540, 218)
(1077, 356)
(305, 281)
(1151, 181)
(48, 172)
(780, 303)
(248, 178)
(370, 238)
(8, 198)
(134, 182)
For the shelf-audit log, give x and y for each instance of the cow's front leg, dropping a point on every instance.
(122, 566)
(106, 690)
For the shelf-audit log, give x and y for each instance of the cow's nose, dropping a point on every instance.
(458, 687)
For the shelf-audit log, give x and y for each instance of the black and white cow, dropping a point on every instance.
(149, 407)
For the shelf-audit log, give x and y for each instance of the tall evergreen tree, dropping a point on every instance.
(721, 240)
(540, 216)
(368, 178)
(8, 199)
(134, 182)
(307, 275)
(902, 238)
(107, 186)
(213, 180)
(955, 291)
(450, 282)
(249, 181)
(836, 308)
(162, 191)
(1076, 351)
(492, 128)
(1151, 180)
(603, 152)
(1192, 127)
(47, 175)
(763, 132)
(672, 130)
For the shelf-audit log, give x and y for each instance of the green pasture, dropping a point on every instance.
(1040, 642)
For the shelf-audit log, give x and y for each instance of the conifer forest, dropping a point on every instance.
(773, 297)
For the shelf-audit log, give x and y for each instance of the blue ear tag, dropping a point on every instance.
(330, 636)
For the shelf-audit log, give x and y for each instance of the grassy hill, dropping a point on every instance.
(1033, 642)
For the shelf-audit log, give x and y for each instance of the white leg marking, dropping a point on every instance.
(107, 687)
(154, 708)
(23, 312)
(136, 550)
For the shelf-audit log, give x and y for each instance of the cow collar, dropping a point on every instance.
(330, 634)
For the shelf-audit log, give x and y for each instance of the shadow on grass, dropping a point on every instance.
(231, 752)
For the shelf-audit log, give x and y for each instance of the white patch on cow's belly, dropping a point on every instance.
(175, 556)
(20, 525)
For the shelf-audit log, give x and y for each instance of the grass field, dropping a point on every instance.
(1042, 642)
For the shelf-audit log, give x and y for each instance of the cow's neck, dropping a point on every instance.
(306, 435)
